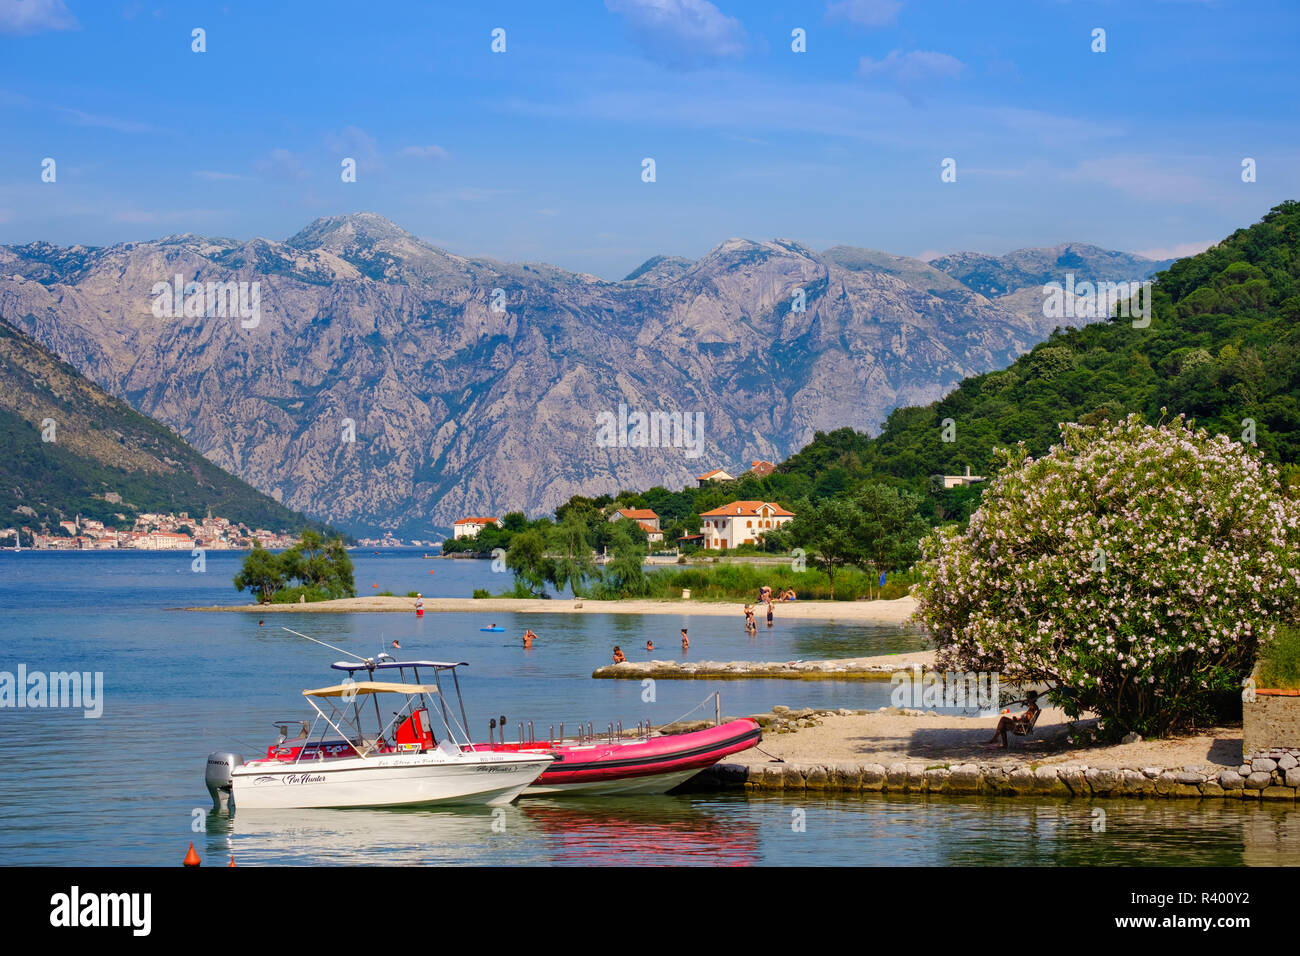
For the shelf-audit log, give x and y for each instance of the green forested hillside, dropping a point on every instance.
(1222, 346)
(70, 448)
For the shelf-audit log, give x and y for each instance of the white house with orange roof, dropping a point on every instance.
(741, 522)
(646, 518)
(717, 474)
(470, 527)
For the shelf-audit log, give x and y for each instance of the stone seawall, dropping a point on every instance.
(1272, 719)
(1262, 779)
(849, 668)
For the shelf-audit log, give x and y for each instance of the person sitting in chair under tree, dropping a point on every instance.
(1025, 720)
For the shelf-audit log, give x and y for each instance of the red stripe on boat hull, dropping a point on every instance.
(671, 754)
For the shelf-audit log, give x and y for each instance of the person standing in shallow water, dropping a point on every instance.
(769, 610)
(686, 641)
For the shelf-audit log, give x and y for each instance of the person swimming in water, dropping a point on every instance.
(529, 637)
(649, 645)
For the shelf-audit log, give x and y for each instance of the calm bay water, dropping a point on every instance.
(124, 788)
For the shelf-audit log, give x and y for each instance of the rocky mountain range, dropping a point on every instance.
(71, 449)
(377, 382)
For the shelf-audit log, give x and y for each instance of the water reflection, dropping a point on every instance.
(629, 831)
(735, 830)
(646, 831)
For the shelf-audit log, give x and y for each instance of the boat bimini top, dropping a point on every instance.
(370, 687)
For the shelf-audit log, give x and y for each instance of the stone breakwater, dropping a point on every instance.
(1264, 778)
(849, 668)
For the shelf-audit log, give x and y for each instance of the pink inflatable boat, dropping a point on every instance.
(655, 764)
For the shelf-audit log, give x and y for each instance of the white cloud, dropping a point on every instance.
(468, 194)
(906, 69)
(107, 122)
(1177, 251)
(214, 176)
(354, 142)
(865, 13)
(425, 152)
(1144, 177)
(35, 16)
(282, 164)
(682, 33)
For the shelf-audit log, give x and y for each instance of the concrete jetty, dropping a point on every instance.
(845, 668)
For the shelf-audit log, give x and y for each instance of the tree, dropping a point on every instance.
(832, 531)
(892, 527)
(262, 572)
(574, 564)
(527, 560)
(1135, 568)
(322, 568)
(624, 575)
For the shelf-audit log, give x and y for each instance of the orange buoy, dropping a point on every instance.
(232, 861)
(192, 858)
(374, 585)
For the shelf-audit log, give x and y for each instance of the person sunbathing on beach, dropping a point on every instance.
(619, 657)
(1006, 723)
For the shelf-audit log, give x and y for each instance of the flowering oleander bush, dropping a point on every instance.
(1135, 568)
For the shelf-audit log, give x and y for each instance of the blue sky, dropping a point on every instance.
(536, 153)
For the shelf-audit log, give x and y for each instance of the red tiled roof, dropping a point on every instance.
(476, 521)
(746, 509)
(637, 514)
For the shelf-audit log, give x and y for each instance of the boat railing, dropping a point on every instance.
(526, 734)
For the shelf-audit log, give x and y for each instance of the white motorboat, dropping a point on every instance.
(404, 764)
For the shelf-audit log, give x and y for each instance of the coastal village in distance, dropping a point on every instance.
(721, 527)
(154, 532)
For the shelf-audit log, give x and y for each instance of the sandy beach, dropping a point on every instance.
(895, 612)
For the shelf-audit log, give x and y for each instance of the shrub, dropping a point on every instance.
(1279, 660)
(482, 593)
(1135, 567)
(293, 594)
